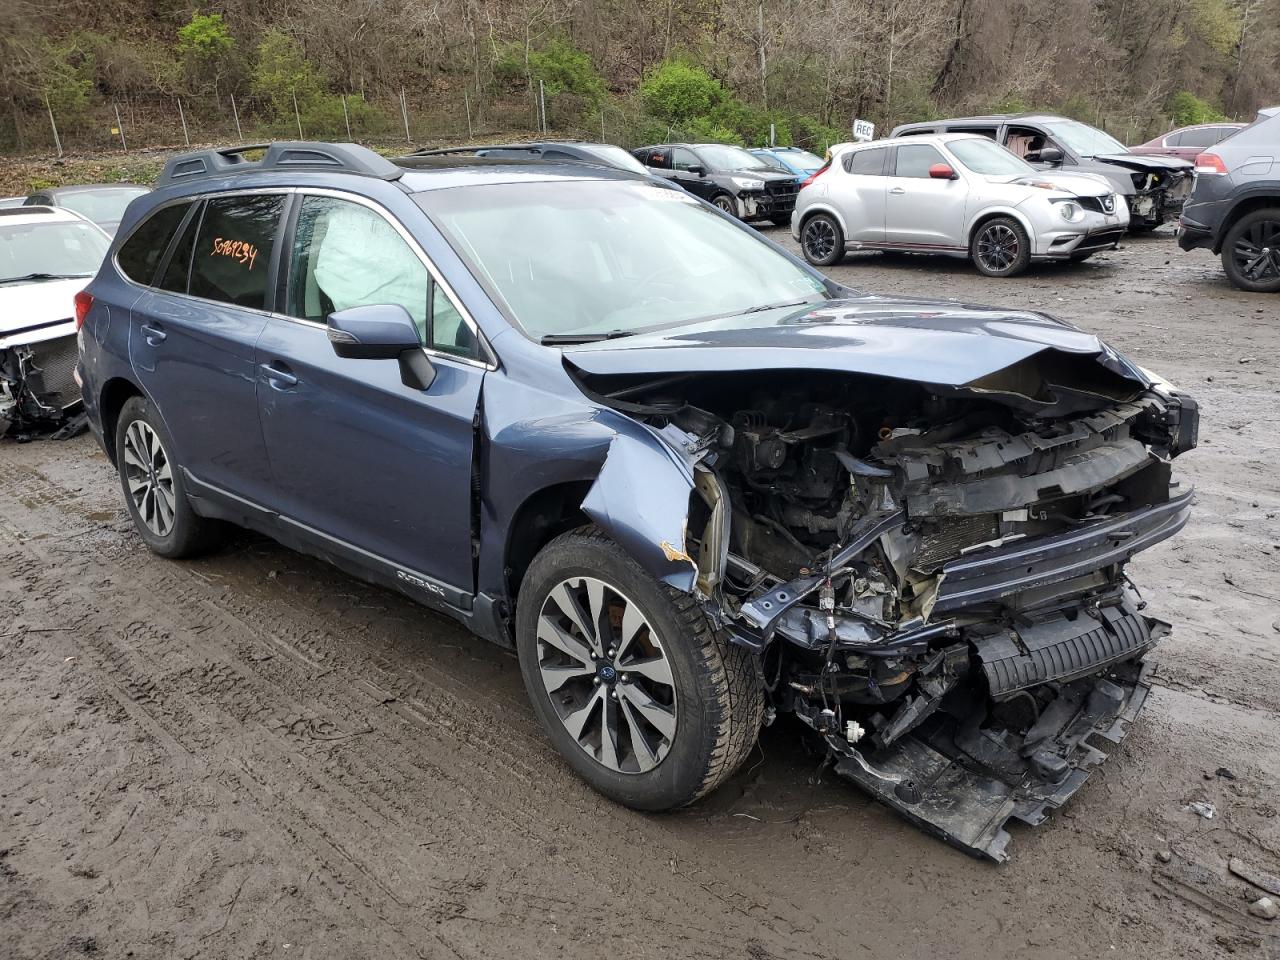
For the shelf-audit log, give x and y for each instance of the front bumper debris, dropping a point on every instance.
(38, 392)
(957, 782)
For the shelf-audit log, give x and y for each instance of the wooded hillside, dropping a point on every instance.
(716, 69)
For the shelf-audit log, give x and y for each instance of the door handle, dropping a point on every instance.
(897, 190)
(153, 335)
(278, 378)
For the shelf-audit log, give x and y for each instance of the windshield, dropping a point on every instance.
(804, 159)
(60, 249)
(100, 206)
(988, 158)
(568, 258)
(617, 157)
(717, 156)
(1084, 140)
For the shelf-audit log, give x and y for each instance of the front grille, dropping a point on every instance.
(55, 360)
(1105, 204)
(1100, 240)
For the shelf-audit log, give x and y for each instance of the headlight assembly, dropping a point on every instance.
(1071, 211)
(747, 183)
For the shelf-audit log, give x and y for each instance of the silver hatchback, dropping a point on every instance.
(954, 194)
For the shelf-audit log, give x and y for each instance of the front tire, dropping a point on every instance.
(154, 490)
(638, 693)
(1001, 248)
(726, 203)
(1251, 251)
(822, 240)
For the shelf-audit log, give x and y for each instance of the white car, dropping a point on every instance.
(955, 194)
(46, 258)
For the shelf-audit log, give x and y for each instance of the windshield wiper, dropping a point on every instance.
(45, 276)
(558, 339)
(770, 306)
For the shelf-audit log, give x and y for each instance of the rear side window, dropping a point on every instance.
(232, 260)
(141, 253)
(177, 271)
(866, 162)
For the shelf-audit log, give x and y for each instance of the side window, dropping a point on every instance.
(232, 262)
(682, 159)
(449, 332)
(989, 132)
(868, 163)
(915, 159)
(660, 158)
(1174, 139)
(1027, 142)
(346, 255)
(1204, 137)
(177, 271)
(140, 255)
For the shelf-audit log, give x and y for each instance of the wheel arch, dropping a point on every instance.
(115, 393)
(1247, 204)
(542, 516)
(993, 213)
(814, 209)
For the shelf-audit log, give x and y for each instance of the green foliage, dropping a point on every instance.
(704, 129)
(812, 134)
(1187, 110)
(1217, 24)
(677, 91)
(205, 37)
(750, 124)
(281, 73)
(563, 68)
(65, 78)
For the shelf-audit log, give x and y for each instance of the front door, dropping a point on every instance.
(191, 342)
(365, 465)
(920, 211)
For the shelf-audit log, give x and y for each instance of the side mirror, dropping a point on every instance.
(382, 331)
(1050, 155)
(943, 171)
(698, 170)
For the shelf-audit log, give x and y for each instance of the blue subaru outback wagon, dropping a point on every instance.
(692, 482)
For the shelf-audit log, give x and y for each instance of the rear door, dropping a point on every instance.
(363, 464)
(857, 189)
(682, 161)
(191, 342)
(921, 211)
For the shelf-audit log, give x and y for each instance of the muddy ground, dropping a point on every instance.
(253, 755)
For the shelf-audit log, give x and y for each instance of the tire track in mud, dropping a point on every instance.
(152, 664)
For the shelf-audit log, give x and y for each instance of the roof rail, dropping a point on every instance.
(530, 145)
(288, 155)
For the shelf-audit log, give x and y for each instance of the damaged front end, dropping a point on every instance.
(38, 392)
(933, 575)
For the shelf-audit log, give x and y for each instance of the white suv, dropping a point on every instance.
(955, 194)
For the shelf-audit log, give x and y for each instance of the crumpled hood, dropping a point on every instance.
(935, 342)
(25, 305)
(1148, 162)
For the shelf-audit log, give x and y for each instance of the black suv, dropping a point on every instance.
(729, 177)
(1234, 208)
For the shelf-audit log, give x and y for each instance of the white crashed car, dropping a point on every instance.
(46, 258)
(956, 194)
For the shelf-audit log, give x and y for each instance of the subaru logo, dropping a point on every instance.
(1109, 203)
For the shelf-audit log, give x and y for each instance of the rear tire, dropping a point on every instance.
(154, 489)
(680, 706)
(822, 240)
(1000, 248)
(1251, 251)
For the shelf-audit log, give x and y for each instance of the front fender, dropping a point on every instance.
(641, 499)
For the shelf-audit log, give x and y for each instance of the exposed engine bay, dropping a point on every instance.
(933, 577)
(38, 394)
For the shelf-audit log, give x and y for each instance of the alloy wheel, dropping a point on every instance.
(1257, 252)
(819, 238)
(149, 475)
(998, 247)
(606, 674)
(724, 203)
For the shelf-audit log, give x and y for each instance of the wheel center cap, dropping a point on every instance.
(606, 673)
